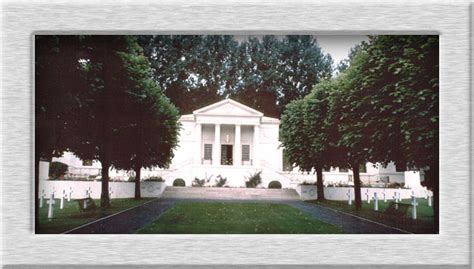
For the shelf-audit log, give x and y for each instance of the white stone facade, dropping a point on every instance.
(231, 140)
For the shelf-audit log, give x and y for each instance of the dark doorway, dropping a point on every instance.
(226, 154)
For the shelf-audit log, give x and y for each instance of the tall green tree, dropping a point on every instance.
(57, 91)
(257, 62)
(305, 132)
(348, 122)
(401, 82)
(303, 65)
(265, 73)
(152, 133)
(106, 106)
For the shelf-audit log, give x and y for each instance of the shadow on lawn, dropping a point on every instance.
(424, 224)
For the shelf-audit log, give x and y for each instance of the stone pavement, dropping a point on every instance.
(231, 194)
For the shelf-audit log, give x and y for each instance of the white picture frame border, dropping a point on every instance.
(450, 19)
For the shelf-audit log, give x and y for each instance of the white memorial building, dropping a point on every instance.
(230, 140)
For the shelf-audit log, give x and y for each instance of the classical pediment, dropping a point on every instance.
(228, 107)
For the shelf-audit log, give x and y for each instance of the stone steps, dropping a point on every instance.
(230, 193)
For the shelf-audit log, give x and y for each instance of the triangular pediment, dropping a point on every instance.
(228, 107)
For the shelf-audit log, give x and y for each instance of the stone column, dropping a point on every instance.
(256, 144)
(238, 147)
(216, 152)
(198, 156)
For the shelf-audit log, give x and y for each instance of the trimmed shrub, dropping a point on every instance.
(155, 179)
(131, 179)
(199, 182)
(274, 185)
(179, 182)
(395, 185)
(220, 181)
(57, 169)
(254, 180)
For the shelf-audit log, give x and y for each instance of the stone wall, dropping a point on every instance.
(119, 189)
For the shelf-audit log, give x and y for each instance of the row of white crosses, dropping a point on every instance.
(65, 195)
(396, 197)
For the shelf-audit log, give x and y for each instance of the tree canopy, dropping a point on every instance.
(153, 130)
(265, 73)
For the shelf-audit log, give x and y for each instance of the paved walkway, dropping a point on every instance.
(129, 221)
(132, 220)
(349, 223)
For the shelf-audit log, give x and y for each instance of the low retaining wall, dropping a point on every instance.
(119, 189)
(309, 192)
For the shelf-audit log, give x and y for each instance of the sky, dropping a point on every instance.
(338, 46)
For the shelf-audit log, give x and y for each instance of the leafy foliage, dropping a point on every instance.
(264, 73)
(220, 181)
(57, 169)
(254, 180)
(305, 131)
(155, 179)
(200, 182)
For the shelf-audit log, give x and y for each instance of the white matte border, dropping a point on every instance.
(23, 19)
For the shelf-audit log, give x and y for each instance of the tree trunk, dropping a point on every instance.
(319, 183)
(357, 193)
(104, 195)
(37, 160)
(137, 183)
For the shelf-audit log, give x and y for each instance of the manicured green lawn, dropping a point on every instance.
(423, 224)
(69, 217)
(237, 218)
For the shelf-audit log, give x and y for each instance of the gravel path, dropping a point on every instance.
(132, 220)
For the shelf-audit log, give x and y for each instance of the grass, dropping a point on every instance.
(70, 217)
(237, 218)
(424, 224)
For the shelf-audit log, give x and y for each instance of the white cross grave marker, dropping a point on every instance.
(414, 204)
(69, 194)
(395, 198)
(110, 192)
(384, 195)
(426, 192)
(399, 194)
(61, 204)
(430, 197)
(376, 202)
(41, 198)
(50, 202)
(88, 195)
(367, 195)
(349, 197)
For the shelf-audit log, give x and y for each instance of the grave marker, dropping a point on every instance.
(376, 202)
(367, 195)
(430, 197)
(69, 194)
(384, 195)
(41, 198)
(395, 198)
(349, 196)
(51, 202)
(61, 204)
(414, 204)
